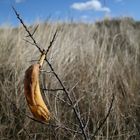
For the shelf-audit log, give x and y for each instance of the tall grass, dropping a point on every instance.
(94, 61)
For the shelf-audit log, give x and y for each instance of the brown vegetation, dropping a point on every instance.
(94, 61)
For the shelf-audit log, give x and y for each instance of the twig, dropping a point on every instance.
(76, 112)
(104, 120)
(33, 31)
(53, 125)
(25, 27)
(61, 100)
(51, 42)
(58, 89)
(38, 121)
(67, 129)
(28, 42)
(88, 117)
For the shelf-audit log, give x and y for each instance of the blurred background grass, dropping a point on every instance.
(94, 61)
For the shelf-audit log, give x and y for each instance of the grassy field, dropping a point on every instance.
(94, 61)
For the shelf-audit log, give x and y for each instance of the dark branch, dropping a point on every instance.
(62, 100)
(41, 122)
(25, 27)
(76, 111)
(33, 31)
(104, 120)
(28, 42)
(51, 43)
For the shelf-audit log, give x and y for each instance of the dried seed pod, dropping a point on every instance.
(33, 94)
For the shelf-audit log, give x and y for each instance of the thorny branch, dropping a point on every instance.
(25, 27)
(53, 39)
(77, 113)
(76, 110)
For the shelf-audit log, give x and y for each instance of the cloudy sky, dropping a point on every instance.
(78, 10)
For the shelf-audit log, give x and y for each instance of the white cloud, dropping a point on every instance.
(90, 5)
(19, 1)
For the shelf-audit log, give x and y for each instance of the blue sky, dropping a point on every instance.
(78, 10)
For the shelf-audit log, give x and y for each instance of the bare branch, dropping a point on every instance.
(53, 39)
(60, 126)
(25, 27)
(76, 111)
(62, 100)
(28, 41)
(104, 120)
(78, 100)
(38, 121)
(88, 117)
(34, 31)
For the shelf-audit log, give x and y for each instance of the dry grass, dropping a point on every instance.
(94, 61)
